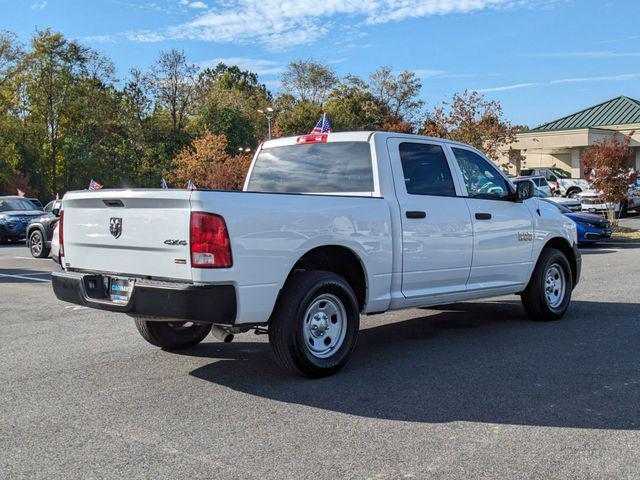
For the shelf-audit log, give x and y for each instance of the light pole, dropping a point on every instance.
(267, 112)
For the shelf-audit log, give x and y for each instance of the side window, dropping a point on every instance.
(482, 179)
(425, 170)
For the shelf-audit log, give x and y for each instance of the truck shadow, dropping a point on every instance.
(476, 362)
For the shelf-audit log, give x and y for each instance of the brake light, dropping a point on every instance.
(61, 235)
(319, 138)
(210, 246)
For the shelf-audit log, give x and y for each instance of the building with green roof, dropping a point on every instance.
(560, 143)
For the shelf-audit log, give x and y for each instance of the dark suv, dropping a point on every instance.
(15, 215)
(40, 230)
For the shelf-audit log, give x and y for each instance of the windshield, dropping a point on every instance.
(339, 167)
(16, 204)
(560, 173)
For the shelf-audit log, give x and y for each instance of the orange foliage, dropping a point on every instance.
(207, 163)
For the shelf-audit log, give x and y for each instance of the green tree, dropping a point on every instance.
(309, 80)
(399, 93)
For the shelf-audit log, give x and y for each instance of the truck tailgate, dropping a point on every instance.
(128, 232)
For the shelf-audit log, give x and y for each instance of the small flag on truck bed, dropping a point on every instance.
(93, 185)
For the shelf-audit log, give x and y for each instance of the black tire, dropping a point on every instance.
(38, 245)
(172, 335)
(573, 193)
(287, 327)
(534, 298)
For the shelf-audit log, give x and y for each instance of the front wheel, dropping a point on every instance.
(548, 294)
(172, 335)
(37, 245)
(314, 328)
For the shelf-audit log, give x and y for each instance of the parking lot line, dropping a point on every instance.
(25, 277)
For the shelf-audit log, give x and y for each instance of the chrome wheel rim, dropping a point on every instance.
(325, 326)
(554, 285)
(36, 244)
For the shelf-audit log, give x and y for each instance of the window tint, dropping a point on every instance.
(482, 179)
(425, 170)
(9, 204)
(338, 167)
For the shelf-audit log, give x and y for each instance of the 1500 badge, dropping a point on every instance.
(525, 237)
(181, 243)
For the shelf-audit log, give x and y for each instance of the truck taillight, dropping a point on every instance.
(313, 138)
(209, 239)
(61, 236)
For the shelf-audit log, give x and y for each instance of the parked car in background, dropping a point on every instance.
(15, 215)
(559, 180)
(55, 244)
(40, 230)
(540, 183)
(592, 203)
(591, 228)
(572, 204)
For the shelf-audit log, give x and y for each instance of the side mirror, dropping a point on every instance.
(524, 190)
(56, 212)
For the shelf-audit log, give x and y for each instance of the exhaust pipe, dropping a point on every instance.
(222, 334)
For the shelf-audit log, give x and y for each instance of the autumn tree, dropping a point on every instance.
(471, 119)
(208, 164)
(309, 80)
(608, 163)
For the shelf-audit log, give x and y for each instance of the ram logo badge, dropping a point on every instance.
(525, 236)
(115, 226)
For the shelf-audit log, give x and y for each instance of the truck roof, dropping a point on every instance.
(362, 136)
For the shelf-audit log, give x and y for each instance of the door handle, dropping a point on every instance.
(483, 216)
(416, 214)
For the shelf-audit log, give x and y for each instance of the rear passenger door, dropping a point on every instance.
(502, 228)
(437, 239)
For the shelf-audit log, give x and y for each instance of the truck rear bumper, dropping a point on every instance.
(206, 303)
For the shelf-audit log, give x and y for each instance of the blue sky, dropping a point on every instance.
(541, 58)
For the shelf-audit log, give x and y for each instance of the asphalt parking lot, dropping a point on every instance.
(473, 390)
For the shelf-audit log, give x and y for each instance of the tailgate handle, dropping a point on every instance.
(113, 203)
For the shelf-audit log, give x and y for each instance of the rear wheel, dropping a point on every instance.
(172, 335)
(314, 328)
(548, 294)
(37, 245)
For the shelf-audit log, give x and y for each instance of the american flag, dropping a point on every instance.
(191, 185)
(164, 183)
(93, 185)
(20, 193)
(323, 125)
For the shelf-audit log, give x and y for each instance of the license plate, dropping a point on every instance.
(120, 289)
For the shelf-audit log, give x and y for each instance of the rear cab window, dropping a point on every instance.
(425, 170)
(330, 168)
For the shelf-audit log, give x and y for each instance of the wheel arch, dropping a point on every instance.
(340, 260)
(562, 244)
(35, 226)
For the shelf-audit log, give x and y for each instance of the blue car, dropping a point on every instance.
(591, 228)
(15, 215)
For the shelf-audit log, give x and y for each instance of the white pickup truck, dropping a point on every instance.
(328, 227)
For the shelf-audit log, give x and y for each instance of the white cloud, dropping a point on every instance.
(279, 24)
(591, 54)
(99, 38)
(504, 88)
(605, 78)
(260, 66)
(39, 5)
